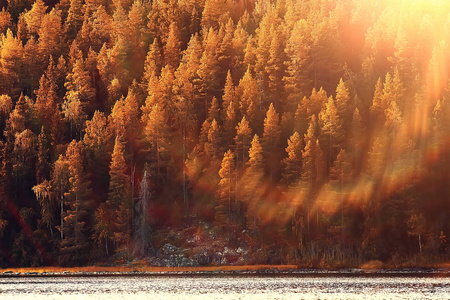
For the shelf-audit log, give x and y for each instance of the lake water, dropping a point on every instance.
(225, 287)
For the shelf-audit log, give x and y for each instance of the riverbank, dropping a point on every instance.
(258, 270)
(144, 269)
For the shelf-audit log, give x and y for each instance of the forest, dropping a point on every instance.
(308, 132)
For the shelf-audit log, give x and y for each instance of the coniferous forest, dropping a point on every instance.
(309, 132)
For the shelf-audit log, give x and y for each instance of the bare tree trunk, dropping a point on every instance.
(420, 244)
(229, 204)
(133, 170)
(185, 196)
(62, 217)
(157, 161)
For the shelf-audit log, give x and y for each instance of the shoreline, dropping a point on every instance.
(246, 270)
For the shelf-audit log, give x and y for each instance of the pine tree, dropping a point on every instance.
(357, 140)
(43, 166)
(119, 202)
(262, 51)
(48, 113)
(97, 135)
(225, 51)
(225, 204)
(103, 230)
(393, 116)
(75, 241)
(377, 158)
(341, 175)
(313, 166)
(152, 66)
(249, 94)
(79, 96)
(203, 136)
(79, 81)
(213, 13)
(135, 35)
(33, 64)
(229, 111)
(161, 91)
(239, 43)
(101, 29)
(243, 141)
(437, 69)
(18, 119)
(293, 162)
(378, 105)
(43, 190)
(308, 107)
(276, 70)
(185, 127)
(11, 64)
(192, 56)
(343, 105)
(214, 110)
(60, 184)
(256, 161)
(393, 89)
(403, 54)
(272, 129)
(317, 101)
(75, 18)
(399, 89)
(50, 36)
(5, 20)
(253, 178)
(271, 139)
(332, 134)
(98, 140)
(207, 81)
(213, 145)
(228, 95)
(33, 18)
(125, 114)
(143, 230)
(172, 47)
(298, 48)
(73, 113)
(156, 132)
(82, 37)
(341, 171)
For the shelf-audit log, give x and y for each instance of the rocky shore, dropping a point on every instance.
(217, 271)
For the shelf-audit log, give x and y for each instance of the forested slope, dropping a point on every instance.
(316, 132)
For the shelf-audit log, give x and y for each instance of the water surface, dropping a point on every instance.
(225, 287)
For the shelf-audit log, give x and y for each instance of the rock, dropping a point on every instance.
(216, 258)
(169, 249)
(186, 262)
(240, 261)
(203, 258)
(224, 260)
